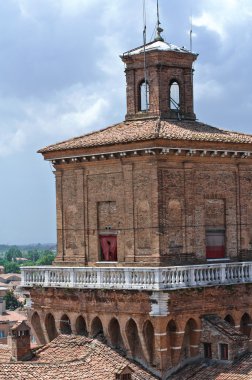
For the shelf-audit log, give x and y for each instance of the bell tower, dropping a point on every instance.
(159, 79)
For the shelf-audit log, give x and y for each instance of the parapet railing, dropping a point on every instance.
(148, 278)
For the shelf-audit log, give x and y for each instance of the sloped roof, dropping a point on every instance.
(225, 328)
(73, 357)
(12, 316)
(157, 45)
(5, 353)
(240, 370)
(150, 129)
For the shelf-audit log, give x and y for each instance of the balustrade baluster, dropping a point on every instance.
(136, 278)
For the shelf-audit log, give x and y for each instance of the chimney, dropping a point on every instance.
(19, 341)
(3, 292)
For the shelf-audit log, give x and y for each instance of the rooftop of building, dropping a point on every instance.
(157, 46)
(75, 357)
(239, 370)
(7, 277)
(225, 328)
(72, 357)
(11, 317)
(150, 129)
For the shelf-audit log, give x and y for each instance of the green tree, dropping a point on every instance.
(12, 302)
(11, 267)
(12, 254)
(28, 263)
(33, 255)
(46, 259)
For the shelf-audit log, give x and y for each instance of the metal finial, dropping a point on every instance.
(159, 30)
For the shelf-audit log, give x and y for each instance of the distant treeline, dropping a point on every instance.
(13, 259)
(29, 247)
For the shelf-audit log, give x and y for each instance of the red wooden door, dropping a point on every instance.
(108, 247)
(215, 244)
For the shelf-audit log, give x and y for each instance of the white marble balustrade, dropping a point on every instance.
(149, 278)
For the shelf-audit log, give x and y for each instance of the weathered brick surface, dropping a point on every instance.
(215, 333)
(176, 336)
(158, 207)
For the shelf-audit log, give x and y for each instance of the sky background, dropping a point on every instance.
(61, 76)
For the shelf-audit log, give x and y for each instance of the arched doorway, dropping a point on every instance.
(50, 327)
(80, 326)
(65, 325)
(37, 327)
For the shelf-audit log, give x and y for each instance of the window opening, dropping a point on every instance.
(126, 376)
(108, 245)
(215, 244)
(208, 350)
(174, 96)
(144, 96)
(224, 351)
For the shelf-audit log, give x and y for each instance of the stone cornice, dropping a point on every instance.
(153, 151)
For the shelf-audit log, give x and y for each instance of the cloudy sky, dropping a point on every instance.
(60, 76)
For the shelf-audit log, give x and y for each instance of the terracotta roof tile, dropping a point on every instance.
(239, 370)
(73, 358)
(225, 328)
(12, 316)
(5, 353)
(143, 130)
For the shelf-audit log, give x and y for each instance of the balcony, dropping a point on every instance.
(135, 278)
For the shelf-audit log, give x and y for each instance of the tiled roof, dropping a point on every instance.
(225, 328)
(12, 316)
(150, 129)
(73, 358)
(6, 277)
(240, 370)
(5, 353)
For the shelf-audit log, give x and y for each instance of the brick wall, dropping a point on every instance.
(159, 208)
(177, 335)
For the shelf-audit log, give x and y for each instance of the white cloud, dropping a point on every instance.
(72, 111)
(221, 16)
(209, 90)
(11, 143)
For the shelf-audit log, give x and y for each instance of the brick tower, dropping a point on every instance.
(153, 226)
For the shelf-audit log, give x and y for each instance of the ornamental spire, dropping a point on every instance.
(159, 30)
